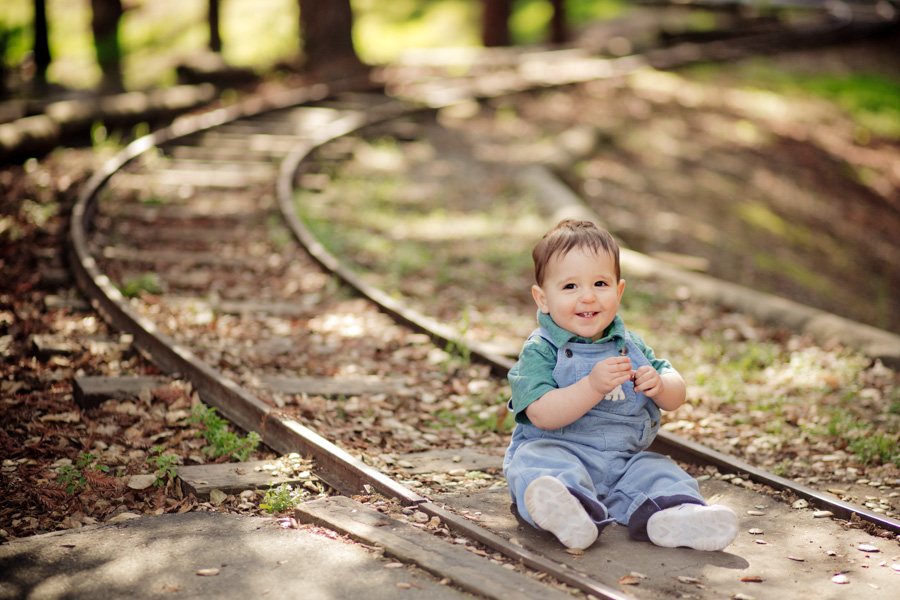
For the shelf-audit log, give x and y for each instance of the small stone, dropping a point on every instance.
(756, 531)
(756, 513)
(208, 572)
(840, 579)
(801, 503)
(141, 482)
(822, 514)
(868, 548)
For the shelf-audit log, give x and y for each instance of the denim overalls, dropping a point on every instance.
(602, 456)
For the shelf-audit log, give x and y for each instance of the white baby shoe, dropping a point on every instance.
(693, 525)
(555, 509)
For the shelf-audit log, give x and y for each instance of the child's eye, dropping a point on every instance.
(569, 286)
(600, 283)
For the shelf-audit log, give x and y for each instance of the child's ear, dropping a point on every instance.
(621, 289)
(540, 298)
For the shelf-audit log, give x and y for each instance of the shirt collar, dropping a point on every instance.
(615, 331)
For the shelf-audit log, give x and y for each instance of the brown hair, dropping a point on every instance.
(568, 235)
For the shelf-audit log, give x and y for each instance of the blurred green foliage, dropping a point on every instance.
(873, 100)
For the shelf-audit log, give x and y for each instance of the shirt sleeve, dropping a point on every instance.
(660, 364)
(532, 375)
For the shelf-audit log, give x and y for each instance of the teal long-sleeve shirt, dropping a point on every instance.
(532, 375)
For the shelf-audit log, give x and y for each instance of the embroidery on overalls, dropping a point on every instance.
(616, 395)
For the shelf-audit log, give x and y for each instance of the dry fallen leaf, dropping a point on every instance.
(752, 579)
(633, 578)
(217, 497)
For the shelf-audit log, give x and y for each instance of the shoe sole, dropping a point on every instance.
(712, 528)
(556, 510)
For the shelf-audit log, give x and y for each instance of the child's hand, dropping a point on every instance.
(647, 380)
(609, 373)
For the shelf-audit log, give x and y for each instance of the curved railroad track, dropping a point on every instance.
(191, 215)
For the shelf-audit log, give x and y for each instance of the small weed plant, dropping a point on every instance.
(280, 499)
(147, 282)
(73, 476)
(165, 466)
(222, 441)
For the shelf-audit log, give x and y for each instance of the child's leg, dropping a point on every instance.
(652, 483)
(545, 480)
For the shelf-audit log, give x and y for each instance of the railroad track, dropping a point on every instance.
(192, 216)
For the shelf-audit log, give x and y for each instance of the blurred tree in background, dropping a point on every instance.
(105, 17)
(51, 46)
(41, 44)
(326, 30)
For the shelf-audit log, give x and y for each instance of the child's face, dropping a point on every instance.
(580, 292)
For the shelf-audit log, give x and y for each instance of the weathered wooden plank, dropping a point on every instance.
(447, 461)
(239, 307)
(55, 301)
(234, 478)
(90, 392)
(45, 346)
(326, 386)
(411, 545)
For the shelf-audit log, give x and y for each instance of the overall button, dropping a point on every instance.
(624, 351)
(568, 353)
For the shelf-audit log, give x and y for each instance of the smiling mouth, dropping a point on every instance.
(587, 315)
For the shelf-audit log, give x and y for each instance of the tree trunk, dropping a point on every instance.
(495, 22)
(41, 45)
(215, 40)
(105, 16)
(559, 33)
(326, 30)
